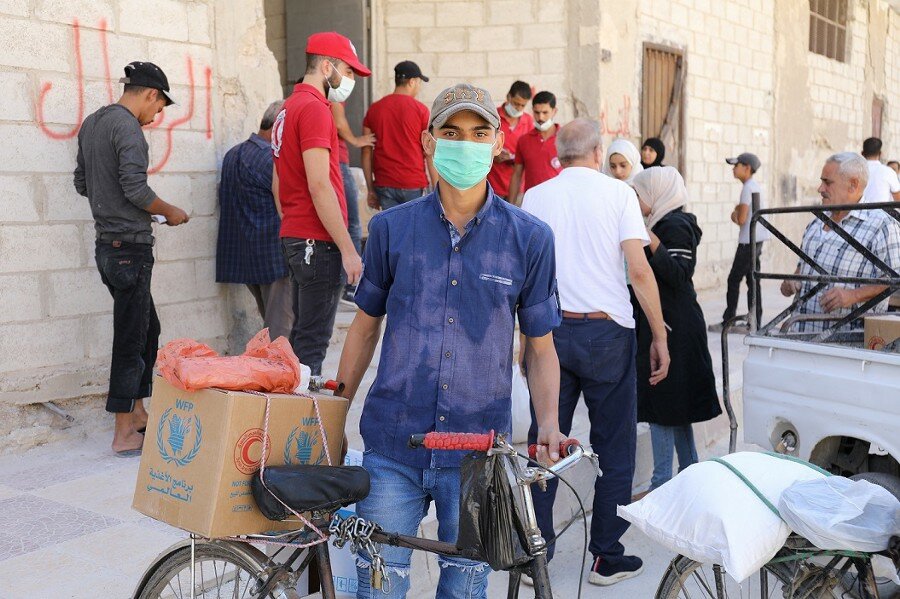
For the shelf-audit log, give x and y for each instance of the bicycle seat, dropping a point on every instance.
(308, 488)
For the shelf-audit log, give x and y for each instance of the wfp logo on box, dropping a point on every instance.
(178, 437)
(301, 446)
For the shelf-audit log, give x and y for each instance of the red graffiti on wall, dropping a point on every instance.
(47, 86)
(156, 123)
(624, 127)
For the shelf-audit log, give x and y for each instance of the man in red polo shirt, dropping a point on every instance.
(514, 122)
(310, 195)
(395, 167)
(536, 159)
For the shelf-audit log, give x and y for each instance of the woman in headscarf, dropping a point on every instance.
(623, 161)
(688, 394)
(652, 152)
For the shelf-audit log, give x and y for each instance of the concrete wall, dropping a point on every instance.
(59, 61)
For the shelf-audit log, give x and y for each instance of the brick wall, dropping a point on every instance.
(60, 61)
(488, 43)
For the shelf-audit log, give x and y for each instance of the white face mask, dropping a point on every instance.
(545, 126)
(342, 91)
(512, 112)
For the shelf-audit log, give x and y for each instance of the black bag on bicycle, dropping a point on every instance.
(491, 523)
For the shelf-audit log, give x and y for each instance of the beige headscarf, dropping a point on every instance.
(627, 149)
(662, 188)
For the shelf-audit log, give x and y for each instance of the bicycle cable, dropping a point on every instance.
(572, 521)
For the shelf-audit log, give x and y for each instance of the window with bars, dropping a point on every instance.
(828, 28)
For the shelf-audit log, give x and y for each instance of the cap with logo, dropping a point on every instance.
(747, 158)
(335, 45)
(463, 96)
(409, 70)
(147, 74)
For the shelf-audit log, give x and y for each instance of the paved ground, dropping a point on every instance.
(69, 531)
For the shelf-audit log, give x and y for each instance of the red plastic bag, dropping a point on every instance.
(266, 365)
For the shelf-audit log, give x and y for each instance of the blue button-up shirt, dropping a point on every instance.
(446, 355)
(249, 249)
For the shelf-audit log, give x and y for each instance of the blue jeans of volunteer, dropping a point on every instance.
(666, 441)
(319, 281)
(393, 196)
(597, 358)
(398, 501)
(351, 192)
(126, 268)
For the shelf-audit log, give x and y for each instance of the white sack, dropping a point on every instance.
(711, 516)
(839, 513)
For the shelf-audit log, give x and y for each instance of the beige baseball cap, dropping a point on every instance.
(463, 96)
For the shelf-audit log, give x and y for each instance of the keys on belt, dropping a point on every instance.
(586, 315)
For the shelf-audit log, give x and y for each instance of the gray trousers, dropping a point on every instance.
(275, 303)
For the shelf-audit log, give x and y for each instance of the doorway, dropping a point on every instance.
(662, 100)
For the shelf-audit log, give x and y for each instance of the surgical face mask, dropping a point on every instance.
(545, 126)
(342, 91)
(512, 112)
(462, 164)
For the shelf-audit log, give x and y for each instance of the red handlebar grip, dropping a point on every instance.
(459, 441)
(331, 385)
(564, 447)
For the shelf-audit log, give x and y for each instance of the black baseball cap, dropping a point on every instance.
(147, 74)
(409, 70)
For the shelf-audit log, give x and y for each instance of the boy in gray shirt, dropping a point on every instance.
(744, 167)
(113, 158)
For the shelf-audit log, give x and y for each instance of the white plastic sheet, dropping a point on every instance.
(521, 406)
(710, 515)
(839, 513)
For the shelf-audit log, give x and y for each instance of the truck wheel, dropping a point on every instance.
(886, 588)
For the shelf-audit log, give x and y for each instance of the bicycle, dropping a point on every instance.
(234, 568)
(798, 571)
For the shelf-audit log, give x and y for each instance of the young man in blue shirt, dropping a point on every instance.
(451, 270)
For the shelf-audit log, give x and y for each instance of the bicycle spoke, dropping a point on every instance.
(169, 585)
(704, 584)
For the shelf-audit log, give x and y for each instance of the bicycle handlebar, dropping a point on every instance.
(566, 448)
(453, 441)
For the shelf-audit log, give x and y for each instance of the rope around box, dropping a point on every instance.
(262, 469)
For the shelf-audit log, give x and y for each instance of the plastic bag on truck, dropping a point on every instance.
(266, 365)
(839, 513)
(491, 525)
(709, 514)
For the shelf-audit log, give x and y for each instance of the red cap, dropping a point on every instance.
(335, 45)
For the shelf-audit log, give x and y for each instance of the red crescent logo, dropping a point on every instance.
(243, 460)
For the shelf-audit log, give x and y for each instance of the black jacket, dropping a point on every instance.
(688, 394)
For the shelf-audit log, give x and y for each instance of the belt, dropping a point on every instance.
(142, 238)
(586, 316)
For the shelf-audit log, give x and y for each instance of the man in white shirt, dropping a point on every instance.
(597, 225)
(883, 185)
(743, 168)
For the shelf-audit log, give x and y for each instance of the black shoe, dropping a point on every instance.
(347, 298)
(604, 574)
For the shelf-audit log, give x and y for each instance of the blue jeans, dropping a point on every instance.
(351, 192)
(398, 501)
(393, 196)
(666, 441)
(597, 358)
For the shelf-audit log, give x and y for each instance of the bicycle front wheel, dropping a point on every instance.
(687, 579)
(219, 571)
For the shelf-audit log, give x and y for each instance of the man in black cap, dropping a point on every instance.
(395, 168)
(112, 173)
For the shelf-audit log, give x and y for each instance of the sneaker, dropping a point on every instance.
(604, 574)
(347, 298)
(527, 580)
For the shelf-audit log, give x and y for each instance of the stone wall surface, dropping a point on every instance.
(60, 61)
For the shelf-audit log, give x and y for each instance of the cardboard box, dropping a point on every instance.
(203, 448)
(881, 330)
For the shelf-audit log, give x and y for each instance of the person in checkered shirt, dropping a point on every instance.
(844, 178)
